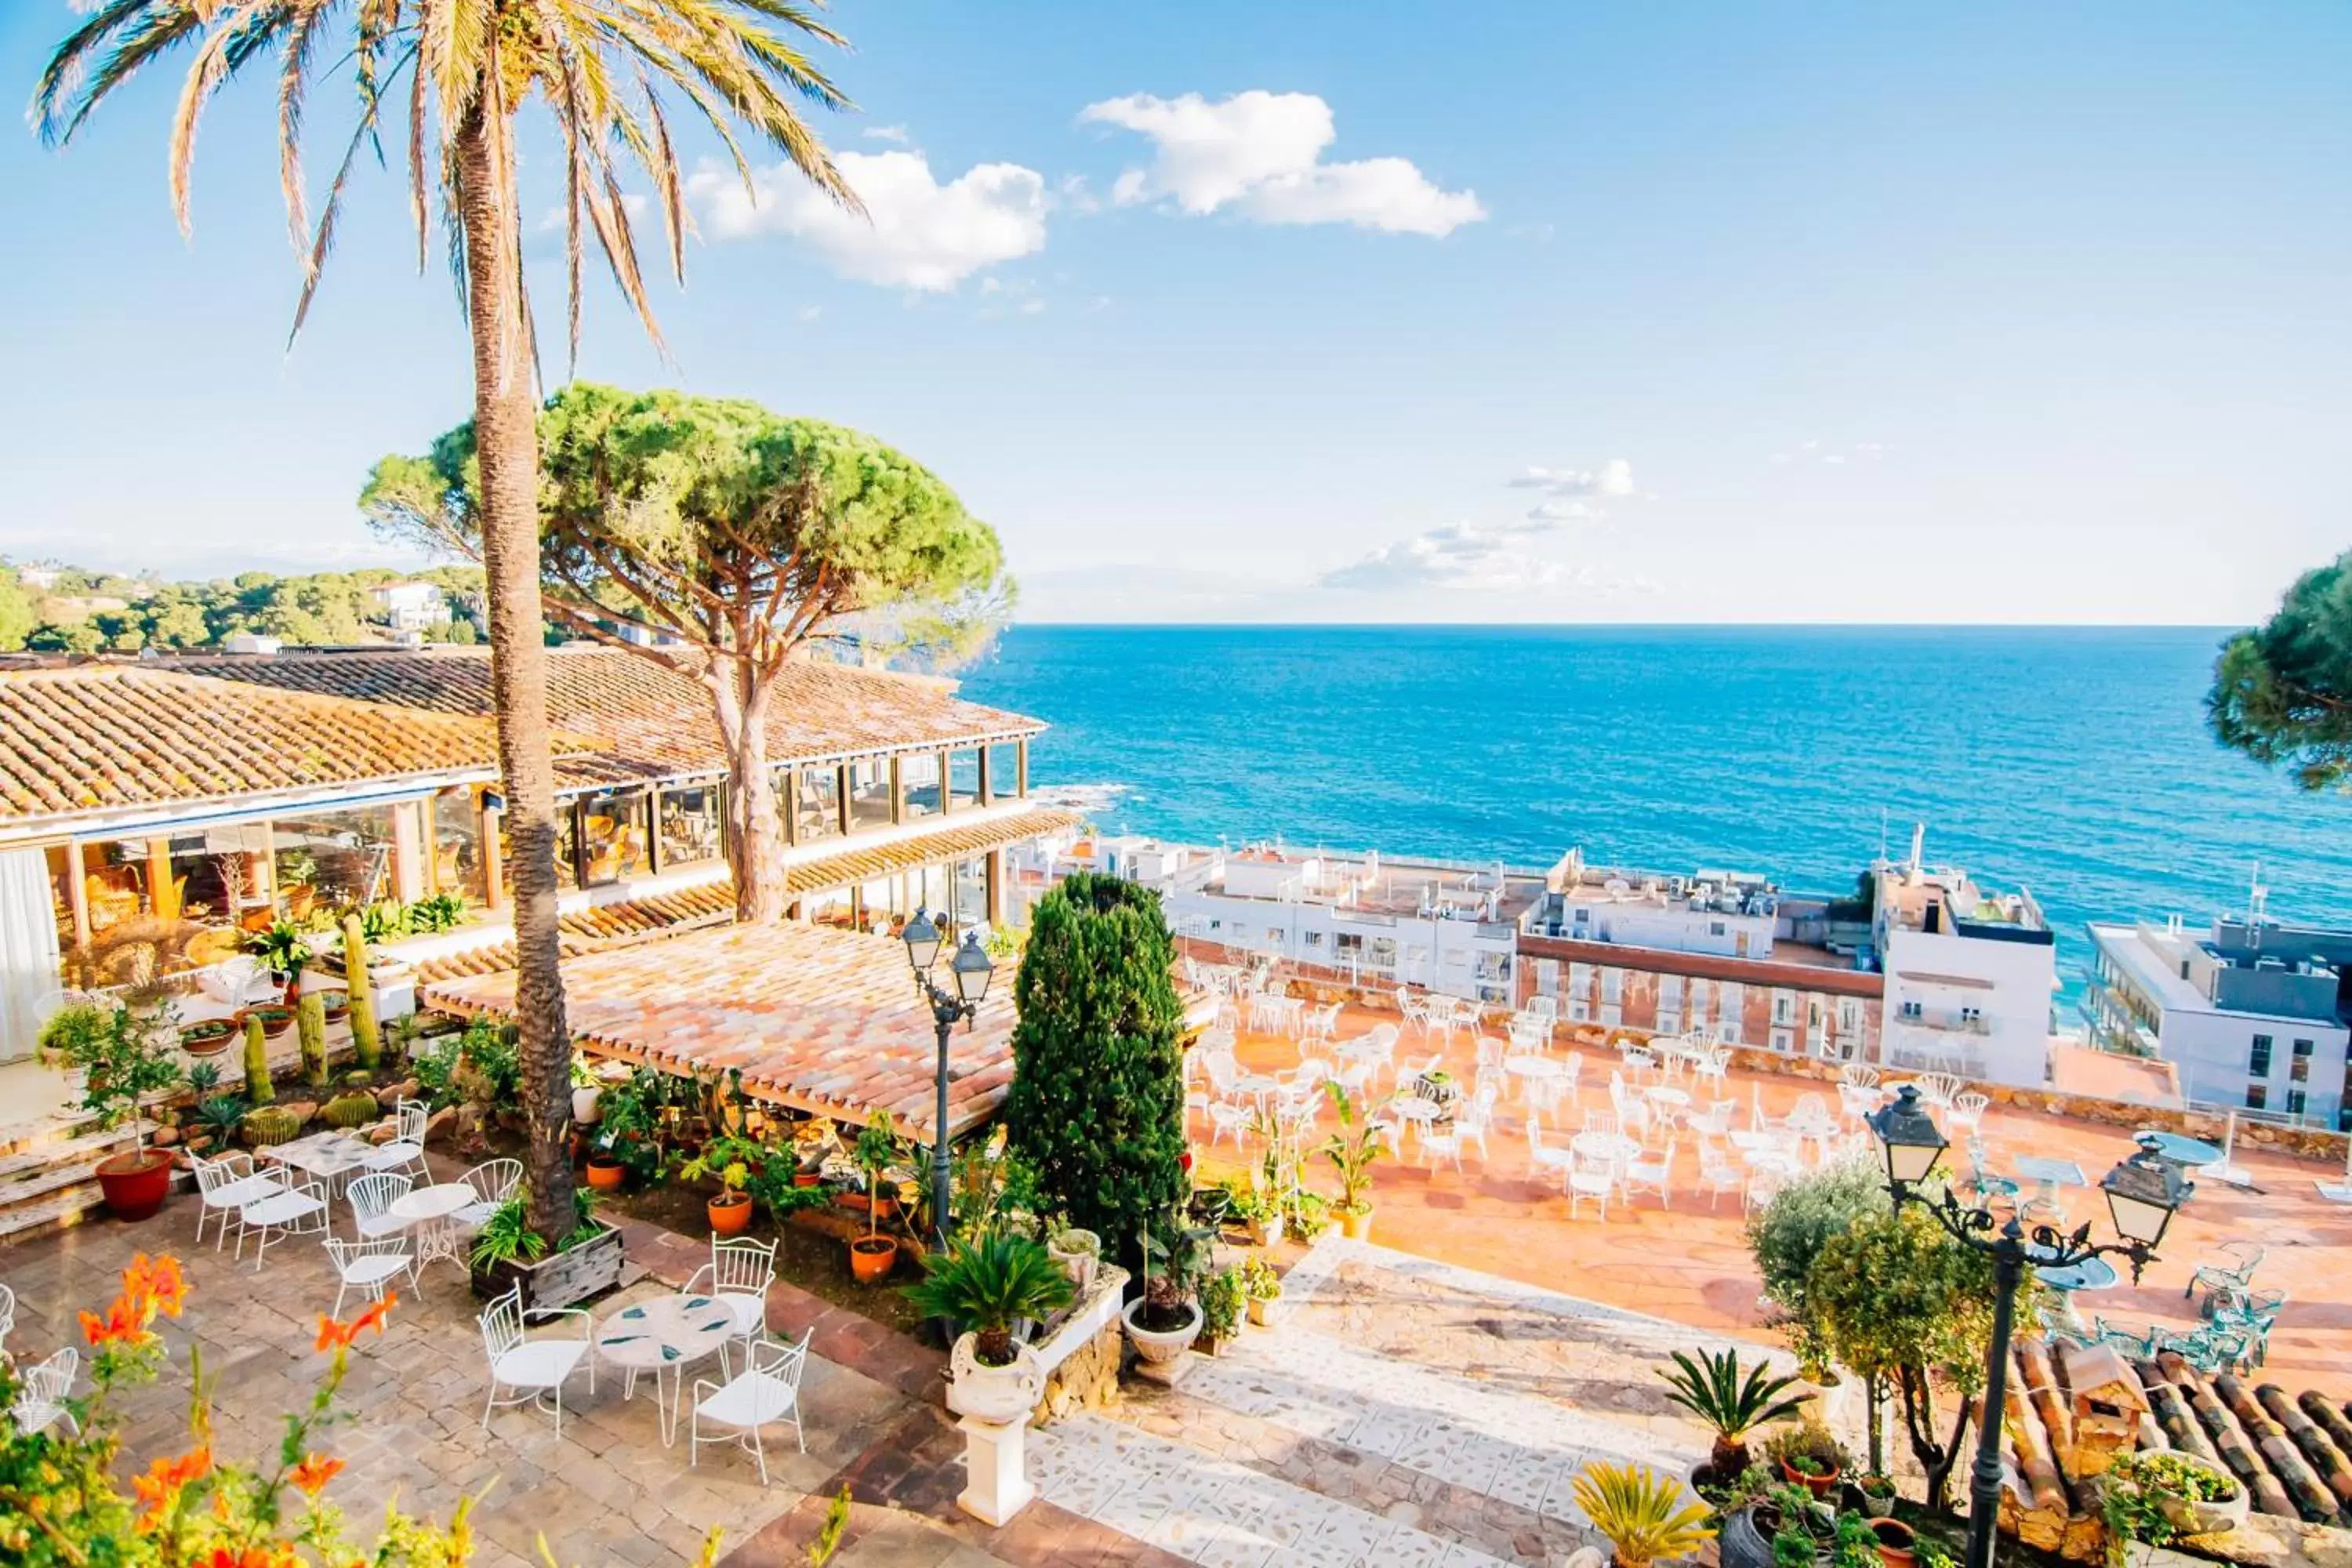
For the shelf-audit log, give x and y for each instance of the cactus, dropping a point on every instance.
(310, 1023)
(270, 1125)
(367, 1043)
(348, 1110)
(257, 1065)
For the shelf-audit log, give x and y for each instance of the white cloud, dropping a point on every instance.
(1613, 477)
(894, 135)
(811, 312)
(916, 234)
(1261, 154)
(1828, 455)
(1462, 556)
(1557, 511)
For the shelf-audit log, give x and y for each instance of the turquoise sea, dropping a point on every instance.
(2071, 760)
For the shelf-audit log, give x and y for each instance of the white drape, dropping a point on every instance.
(28, 951)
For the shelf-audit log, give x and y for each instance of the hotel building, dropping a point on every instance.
(1969, 973)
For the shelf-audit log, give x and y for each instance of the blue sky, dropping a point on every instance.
(1360, 312)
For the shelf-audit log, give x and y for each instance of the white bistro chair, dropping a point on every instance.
(224, 1184)
(299, 1208)
(738, 1274)
(768, 1390)
(372, 1198)
(7, 1314)
(367, 1267)
(406, 1152)
(41, 1393)
(529, 1369)
(494, 1182)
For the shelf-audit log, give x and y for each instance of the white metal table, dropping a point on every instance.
(664, 1336)
(427, 1212)
(331, 1156)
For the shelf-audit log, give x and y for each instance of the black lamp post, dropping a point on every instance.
(970, 971)
(2143, 1191)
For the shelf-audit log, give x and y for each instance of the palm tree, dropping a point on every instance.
(454, 74)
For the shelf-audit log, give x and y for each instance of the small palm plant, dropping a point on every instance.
(1711, 1388)
(988, 1285)
(1641, 1512)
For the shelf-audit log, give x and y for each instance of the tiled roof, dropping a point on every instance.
(104, 737)
(949, 841)
(645, 720)
(824, 1021)
(593, 928)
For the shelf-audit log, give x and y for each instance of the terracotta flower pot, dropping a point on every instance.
(1356, 1224)
(338, 1004)
(730, 1214)
(806, 1178)
(209, 1038)
(871, 1258)
(275, 1020)
(605, 1174)
(1894, 1542)
(136, 1183)
(1820, 1486)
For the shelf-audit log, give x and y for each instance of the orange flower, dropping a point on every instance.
(157, 1283)
(311, 1476)
(251, 1557)
(124, 1323)
(334, 1336)
(165, 1479)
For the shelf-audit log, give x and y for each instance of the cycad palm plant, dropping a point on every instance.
(451, 76)
(1710, 1388)
(990, 1284)
(1641, 1512)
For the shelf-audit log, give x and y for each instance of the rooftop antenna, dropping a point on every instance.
(1919, 848)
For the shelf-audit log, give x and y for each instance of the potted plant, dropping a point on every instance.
(731, 1161)
(1263, 1287)
(283, 949)
(1641, 1512)
(986, 1286)
(585, 1092)
(1222, 1299)
(1808, 1456)
(1352, 1150)
(1079, 1252)
(1854, 1544)
(207, 1036)
(1163, 1322)
(1894, 1541)
(2156, 1497)
(335, 1002)
(874, 1255)
(276, 1018)
(1712, 1388)
(1259, 1214)
(509, 1255)
(1877, 1493)
(122, 1060)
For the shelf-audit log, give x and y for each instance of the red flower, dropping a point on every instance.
(124, 1323)
(156, 1282)
(251, 1557)
(311, 1476)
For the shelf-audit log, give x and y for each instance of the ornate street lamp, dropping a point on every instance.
(2143, 1191)
(970, 970)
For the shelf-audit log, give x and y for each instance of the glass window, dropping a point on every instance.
(333, 860)
(181, 899)
(2295, 1102)
(963, 778)
(1004, 770)
(457, 845)
(567, 860)
(613, 836)
(2298, 1070)
(2258, 1059)
(971, 894)
(869, 795)
(816, 808)
(692, 824)
(2257, 1096)
(919, 776)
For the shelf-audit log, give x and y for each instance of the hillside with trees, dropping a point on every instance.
(53, 608)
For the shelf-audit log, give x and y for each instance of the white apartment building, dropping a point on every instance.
(410, 606)
(2250, 1012)
(1969, 973)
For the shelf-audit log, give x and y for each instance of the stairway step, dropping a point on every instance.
(60, 1209)
(30, 1162)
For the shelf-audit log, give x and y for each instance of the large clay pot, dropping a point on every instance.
(1160, 1347)
(1356, 1224)
(605, 1174)
(871, 1258)
(1894, 1542)
(209, 1038)
(730, 1214)
(136, 1183)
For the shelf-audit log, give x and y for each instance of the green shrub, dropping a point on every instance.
(1097, 1106)
(1788, 1231)
(1223, 1297)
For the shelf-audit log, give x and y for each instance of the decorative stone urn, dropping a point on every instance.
(1079, 1252)
(995, 1403)
(1007, 1392)
(1162, 1347)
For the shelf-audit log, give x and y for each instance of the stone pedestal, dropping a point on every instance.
(996, 1477)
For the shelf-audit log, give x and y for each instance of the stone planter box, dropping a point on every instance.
(559, 1279)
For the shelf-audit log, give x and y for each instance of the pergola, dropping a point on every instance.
(820, 1020)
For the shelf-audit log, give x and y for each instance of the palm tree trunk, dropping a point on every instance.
(507, 439)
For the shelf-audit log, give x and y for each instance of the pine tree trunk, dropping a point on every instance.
(755, 838)
(507, 437)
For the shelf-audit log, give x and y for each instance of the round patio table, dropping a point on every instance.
(428, 1211)
(1605, 1145)
(2178, 1148)
(2091, 1274)
(663, 1336)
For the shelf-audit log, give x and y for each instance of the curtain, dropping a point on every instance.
(28, 951)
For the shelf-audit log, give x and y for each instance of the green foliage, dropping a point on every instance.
(489, 1063)
(17, 614)
(1096, 1105)
(987, 1285)
(1352, 1150)
(122, 1053)
(2134, 1492)
(348, 1110)
(257, 1088)
(828, 1536)
(506, 1237)
(436, 1068)
(1710, 1386)
(2282, 691)
(282, 946)
(436, 913)
(877, 1149)
(1792, 1546)
(267, 1126)
(1223, 1297)
(311, 1025)
(220, 1115)
(1855, 1544)
(1259, 1280)
(201, 1077)
(387, 919)
(1641, 1512)
(1788, 1231)
(320, 607)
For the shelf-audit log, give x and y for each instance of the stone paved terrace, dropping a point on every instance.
(1688, 1261)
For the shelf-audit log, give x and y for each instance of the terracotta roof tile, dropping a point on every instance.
(642, 719)
(949, 841)
(115, 737)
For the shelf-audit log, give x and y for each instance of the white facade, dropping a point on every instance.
(1970, 976)
(409, 607)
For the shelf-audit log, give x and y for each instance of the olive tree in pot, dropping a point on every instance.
(985, 1286)
(123, 1056)
(1712, 1388)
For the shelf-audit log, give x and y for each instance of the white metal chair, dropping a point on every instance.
(224, 1184)
(494, 1182)
(1590, 1176)
(367, 1266)
(1550, 1163)
(1858, 1075)
(1967, 1110)
(1938, 1089)
(1415, 1009)
(739, 1275)
(1652, 1169)
(372, 1198)
(407, 1151)
(531, 1369)
(1719, 1175)
(769, 1390)
(41, 1393)
(7, 1314)
(299, 1208)
(1321, 1024)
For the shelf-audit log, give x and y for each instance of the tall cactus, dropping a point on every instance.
(257, 1065)
(367, 1042)
(310, 1023)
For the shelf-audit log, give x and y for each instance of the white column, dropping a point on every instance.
(995, 1462)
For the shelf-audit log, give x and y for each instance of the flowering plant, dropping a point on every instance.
(62, 1500)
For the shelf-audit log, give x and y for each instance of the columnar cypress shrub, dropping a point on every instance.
(1098, 1100)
